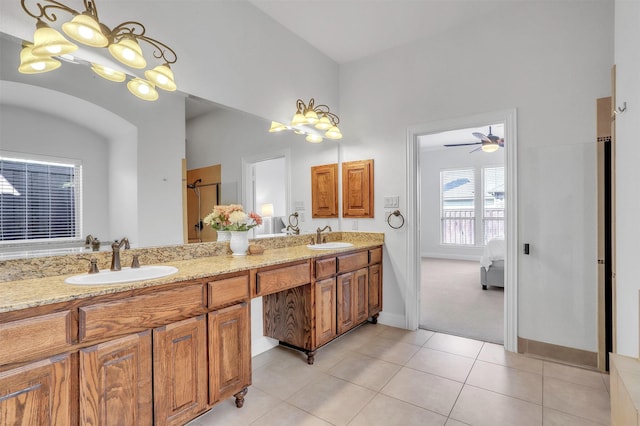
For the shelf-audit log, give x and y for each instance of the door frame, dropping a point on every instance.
(248, 184)
(412, 299)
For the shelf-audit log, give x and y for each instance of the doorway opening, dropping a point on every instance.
(462, 194)
(415, 206)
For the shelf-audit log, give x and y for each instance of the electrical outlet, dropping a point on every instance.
(301, 216)
(354, 226)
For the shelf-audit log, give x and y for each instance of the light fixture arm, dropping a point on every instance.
(46, 11)
(137, 31)
(322, 110)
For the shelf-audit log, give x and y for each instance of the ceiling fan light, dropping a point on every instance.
(31, 64)
(490, 147)
(108, 73)
(49, 42)
(85, 29)
(162, 77)
(333, 133)
(143, 89)
(311, 117)
(128, 52)
(277, 127)
(313, 138)
(324, 123)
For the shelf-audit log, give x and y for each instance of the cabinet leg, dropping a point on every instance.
(240, 397)
(311, 356)
(374, 319)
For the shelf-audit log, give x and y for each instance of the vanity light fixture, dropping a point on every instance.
(123, 42)
(308, 116)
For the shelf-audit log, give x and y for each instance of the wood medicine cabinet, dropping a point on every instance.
(324, 191)
(357, 189)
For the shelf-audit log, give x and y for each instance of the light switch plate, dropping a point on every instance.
(392, 201)
(299, 205)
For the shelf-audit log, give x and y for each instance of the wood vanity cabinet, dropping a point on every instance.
(39, 393)
(352, 299)
(325, 311)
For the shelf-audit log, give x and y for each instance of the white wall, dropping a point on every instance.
(432, 162)
(627, 60)
(550, 60)
(63, 139)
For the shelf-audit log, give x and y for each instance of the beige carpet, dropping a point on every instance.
(453, 302)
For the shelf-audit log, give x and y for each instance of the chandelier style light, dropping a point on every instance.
(308, 116)
(122, 42)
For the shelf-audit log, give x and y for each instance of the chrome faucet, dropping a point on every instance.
(115, 257)
(319, 233)
(92, 241)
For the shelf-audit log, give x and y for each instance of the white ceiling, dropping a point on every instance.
(347, 30)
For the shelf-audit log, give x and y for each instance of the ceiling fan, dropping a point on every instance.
(490, 142)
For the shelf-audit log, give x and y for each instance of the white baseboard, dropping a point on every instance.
(471, 257)
(392, 320)
(262, 344)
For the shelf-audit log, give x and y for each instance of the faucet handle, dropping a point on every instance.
(135, 263)
(93, 266)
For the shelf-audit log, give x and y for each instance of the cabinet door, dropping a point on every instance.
(115, 382)
(375, 289)
(180, 371)
(325, 311)
(229, 352)
(357, 189)
(345, 299)
(361, 298)
(324, 191)
(37, 394)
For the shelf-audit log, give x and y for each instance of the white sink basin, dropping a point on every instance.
(123, 276)
(330, 246)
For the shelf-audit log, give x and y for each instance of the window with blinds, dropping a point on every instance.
(39, 200)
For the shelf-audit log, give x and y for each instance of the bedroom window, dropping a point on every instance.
(39, 199)
(471, 205)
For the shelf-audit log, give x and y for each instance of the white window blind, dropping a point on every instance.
(39, 200)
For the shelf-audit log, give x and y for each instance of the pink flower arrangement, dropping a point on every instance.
(232, 218)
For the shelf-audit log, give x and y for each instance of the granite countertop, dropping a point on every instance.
(29, 293)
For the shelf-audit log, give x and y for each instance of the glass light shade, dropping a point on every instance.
(298, 119)
(324, 123)
(277, 127)
(266, 210)
(311, 117)
(49, 42)
(86, 30)
(31, 64)
(333, 133)
(490, 147)
(162, 77)
(128, 52)
(143, 89)
(108, 73)
(313, 138)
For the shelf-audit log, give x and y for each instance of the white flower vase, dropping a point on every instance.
(224, 235)
(239, 242)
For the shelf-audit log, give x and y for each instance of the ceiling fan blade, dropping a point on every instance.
(462, 144)
(474, 150)
(481, 137)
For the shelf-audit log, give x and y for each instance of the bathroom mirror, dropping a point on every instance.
(133, 172)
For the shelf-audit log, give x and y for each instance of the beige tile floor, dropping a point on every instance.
(379, 375)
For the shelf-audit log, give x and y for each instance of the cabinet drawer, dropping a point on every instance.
(375, 255)
(350, 262)
(275, 280)
(138, 313)
(35, 337)
(325, 267)
(228, 290)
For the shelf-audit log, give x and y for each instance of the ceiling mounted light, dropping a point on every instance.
(85, 27)
(108, 73)
(49, 42)
(32, 64)
(143, 89)
(310, 115)
(491, 146)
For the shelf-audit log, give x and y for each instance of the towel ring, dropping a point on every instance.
(395, 213)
